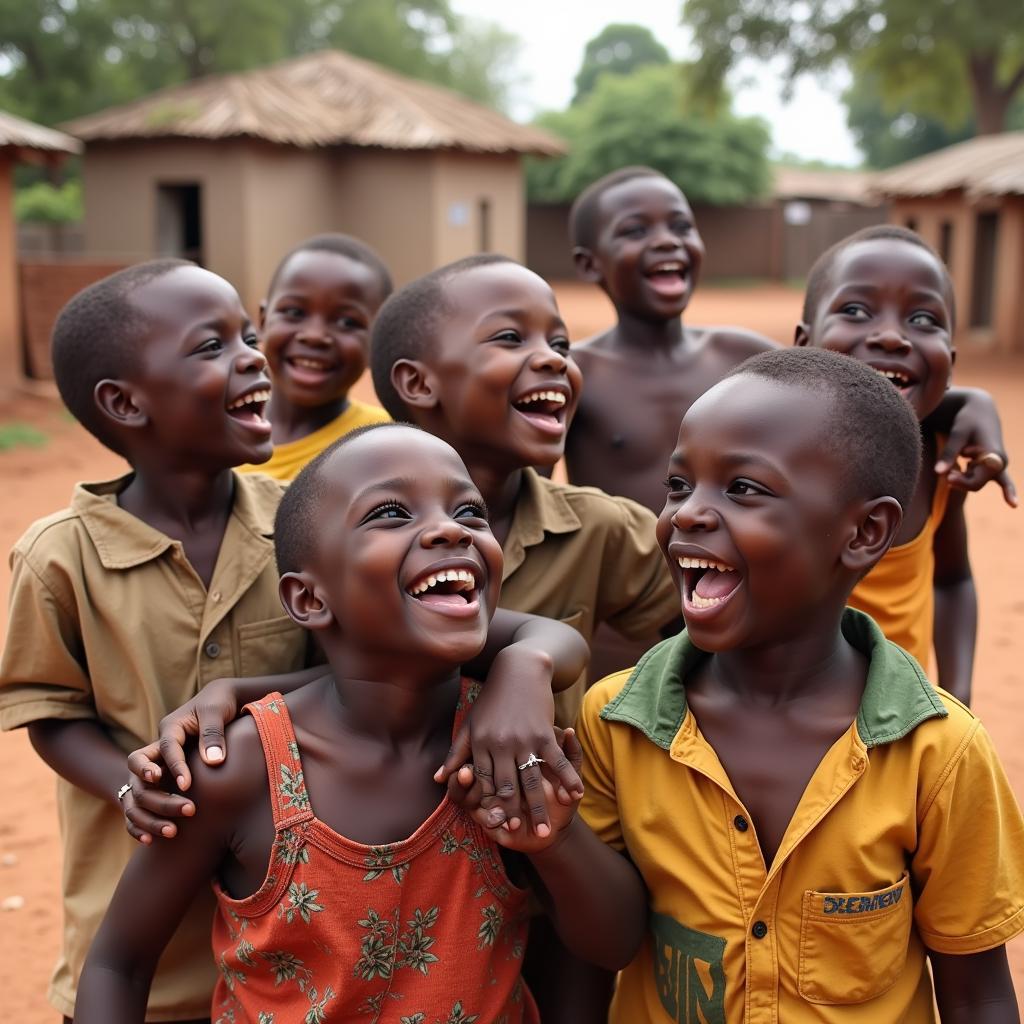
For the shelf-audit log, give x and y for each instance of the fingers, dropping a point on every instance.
(532, 781)
(148, 813)
(506, 788)
(561, 768)
(171, 744)
(458, 754)
(1009, 490)
(953, 449)
(142, 764)
(465, 790)
(213, 747)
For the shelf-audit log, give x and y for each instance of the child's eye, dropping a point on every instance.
(855, 311)
(682, 227)
(746, 489)
(560, 345)
(293, 312)
(471, 510)
(388, 510)
(210, 347)
(350, 323)
(508, 334)
(252, 340)
(678, 485)
(633, 230)
(923, 319)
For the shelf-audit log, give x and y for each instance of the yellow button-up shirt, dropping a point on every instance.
(109, 621)
(907, 837)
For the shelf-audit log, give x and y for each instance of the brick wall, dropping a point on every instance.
(45, 288)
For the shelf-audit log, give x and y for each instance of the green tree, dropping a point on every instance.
(617, 50)
(944, 58)
(643, 118)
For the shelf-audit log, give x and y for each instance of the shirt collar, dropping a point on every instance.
(541, 508)
(897, 697)
(124, 541)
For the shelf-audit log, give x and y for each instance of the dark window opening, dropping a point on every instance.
(946, 242)
(484, 213)
(179, 223)
(986, 234)
(910, 223)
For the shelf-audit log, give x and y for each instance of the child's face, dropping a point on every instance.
(887, 305)
(200, 381)
(753, 495)
(648, 253)
(505, 381)
(400, 511)
(315, 327)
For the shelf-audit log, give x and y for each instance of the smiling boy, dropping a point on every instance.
(814, 822)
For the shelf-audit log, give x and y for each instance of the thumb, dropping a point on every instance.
(955, 444)
(213, 746)
(458, 754)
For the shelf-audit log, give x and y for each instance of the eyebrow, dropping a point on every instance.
(921, 293)
(217, 325)
(736, 459)
(519, 314)
(401, 483)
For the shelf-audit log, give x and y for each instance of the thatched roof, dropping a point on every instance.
(834, 185)
(322, 99)
(986, 165)
(18, 133)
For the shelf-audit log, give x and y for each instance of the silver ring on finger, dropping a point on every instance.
(531, 762)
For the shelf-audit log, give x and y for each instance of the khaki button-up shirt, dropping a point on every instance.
(585, 557)
(109, 621)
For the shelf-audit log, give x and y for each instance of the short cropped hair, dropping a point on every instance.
(342, 245)
(583, 217)
(871, 427)
(295, 525)
(408, 323)
(97, 336)
(818, 278)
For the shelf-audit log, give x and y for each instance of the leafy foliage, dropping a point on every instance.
(617, 50)
(942, 58)
(643, 118)
(47, 204)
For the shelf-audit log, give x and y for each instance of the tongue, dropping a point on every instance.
(669, 285)
(445, 600)
(716, 584)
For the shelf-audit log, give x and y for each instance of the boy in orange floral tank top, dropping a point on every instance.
(383, 900)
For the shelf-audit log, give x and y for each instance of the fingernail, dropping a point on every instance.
(438, 774)
(513, 824)
(188, 810)
(145, 839)
(147, 775)
(941, 467)
(214, 754)
(543, 831)
(167, 830)
(181, 782)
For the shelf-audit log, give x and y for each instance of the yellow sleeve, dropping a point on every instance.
(42, 669)
(599, 807)
(637, 594)
(968, 870)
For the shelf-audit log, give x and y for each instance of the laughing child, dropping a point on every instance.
(884, 297)
(817, 884)
(382, 897)
(314, 328)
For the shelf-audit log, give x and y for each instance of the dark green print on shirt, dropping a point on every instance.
(683, 989)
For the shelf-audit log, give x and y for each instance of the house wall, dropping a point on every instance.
(11, 368)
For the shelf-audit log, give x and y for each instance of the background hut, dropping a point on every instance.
(968, 201)
(232, 170)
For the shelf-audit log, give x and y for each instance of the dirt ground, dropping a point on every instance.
(35, 481)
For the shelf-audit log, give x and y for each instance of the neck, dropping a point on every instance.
(292, 422)
(394, 701)
(644, 335)
(178, 502)
(817, 660)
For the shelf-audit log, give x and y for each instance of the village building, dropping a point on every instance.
(233, 170)
(968, 202)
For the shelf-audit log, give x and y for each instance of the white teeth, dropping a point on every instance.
(253, 398)
(704, 602)
(704, 563)
(667, 268)
(543, 396)
(310, 364)
(893, 375)
(463, 576)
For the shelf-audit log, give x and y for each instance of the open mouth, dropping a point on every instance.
(707, 583)
(249, 409)
(670, 279)
(310, 369)
(899, 379)
(544, 408)
(449, 591)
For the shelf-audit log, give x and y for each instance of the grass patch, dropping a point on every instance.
(20, 435)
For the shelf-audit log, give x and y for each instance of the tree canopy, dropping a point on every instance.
(939, 58)
(617, 50)
(63, 58)
(643, 118)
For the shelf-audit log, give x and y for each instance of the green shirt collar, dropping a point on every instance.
(897, 698)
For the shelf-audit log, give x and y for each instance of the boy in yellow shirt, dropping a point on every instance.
(315, 331)
(814, 822)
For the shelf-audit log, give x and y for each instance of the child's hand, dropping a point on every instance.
(543, 798)
(976, 436)
(510, 721)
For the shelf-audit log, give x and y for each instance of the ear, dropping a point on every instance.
(117, 402)
(802, 335)
(302, 601)
(876, 526)
(416, 384)
(261, 317)
(587, 268)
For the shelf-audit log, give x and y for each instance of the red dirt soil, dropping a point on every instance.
(39, 481)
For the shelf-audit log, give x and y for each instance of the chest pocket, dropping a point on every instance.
(271, 647)
(853, 946)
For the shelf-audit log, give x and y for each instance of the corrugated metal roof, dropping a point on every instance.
(22, 134)
(837, 185)
(321, 99)
(986, 165)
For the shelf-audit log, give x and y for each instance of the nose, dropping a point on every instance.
(888, 337)
(695, 514)
(665, 237)
(250, 360)
(544, 357)
(313, 331)
(445, 532)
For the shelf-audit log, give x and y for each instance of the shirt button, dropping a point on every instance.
(212, 649)
(741, 823)
(760, 930)
(215, 597)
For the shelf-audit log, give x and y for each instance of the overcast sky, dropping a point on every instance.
(554, 32)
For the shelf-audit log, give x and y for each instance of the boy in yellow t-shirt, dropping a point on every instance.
(815, 823)
(314, 330)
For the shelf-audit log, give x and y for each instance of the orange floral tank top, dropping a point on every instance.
(425, 931)
(899, 592)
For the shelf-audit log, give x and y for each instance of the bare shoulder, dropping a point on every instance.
(231, 787)
(594, 346)
(735, 341)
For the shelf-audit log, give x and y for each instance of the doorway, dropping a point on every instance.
(986, 236)
(179, 222)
